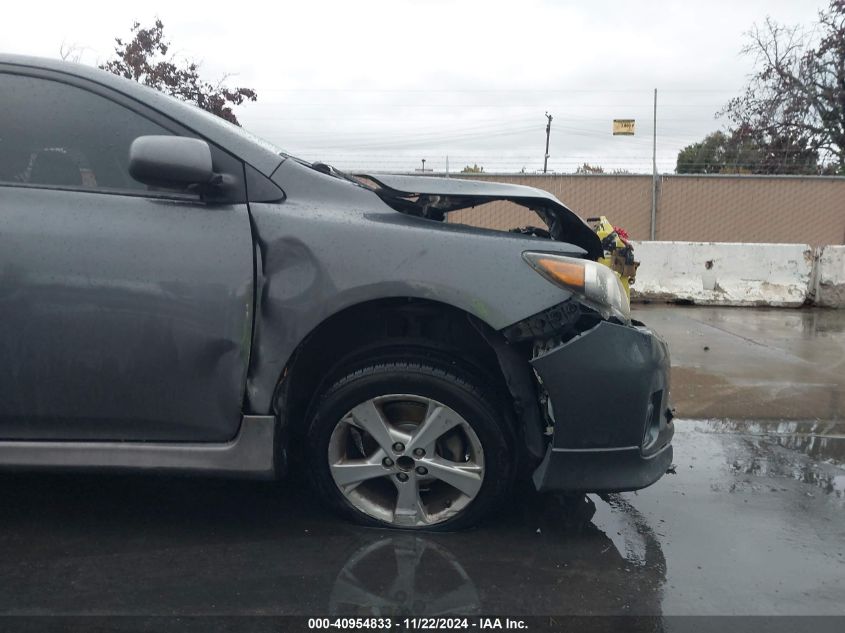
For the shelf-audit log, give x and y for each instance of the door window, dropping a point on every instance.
(58, 135)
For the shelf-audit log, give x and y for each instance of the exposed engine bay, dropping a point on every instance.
(434, 198)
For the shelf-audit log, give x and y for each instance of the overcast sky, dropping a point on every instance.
(382, 85)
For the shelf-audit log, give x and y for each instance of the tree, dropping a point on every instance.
(745, 151)
(720, 153)
(144, 58)
(475, 169)
(794, 101)
(704, 157)
(586, 168)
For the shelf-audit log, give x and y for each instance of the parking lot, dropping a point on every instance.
(750, 521)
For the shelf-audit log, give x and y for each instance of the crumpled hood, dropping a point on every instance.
(434, 197)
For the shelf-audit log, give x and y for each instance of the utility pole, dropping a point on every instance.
(548, 133)
(654, 171)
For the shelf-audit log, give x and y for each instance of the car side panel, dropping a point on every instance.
(332, 245)
(123, 317)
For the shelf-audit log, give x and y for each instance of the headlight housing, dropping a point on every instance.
(597, 285)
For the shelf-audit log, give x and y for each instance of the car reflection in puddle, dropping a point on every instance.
(181, 546)
(553, 555)
(380, 578)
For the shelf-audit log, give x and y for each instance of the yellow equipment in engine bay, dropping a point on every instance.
(618, 251)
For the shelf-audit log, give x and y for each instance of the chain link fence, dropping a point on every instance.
(768, 209)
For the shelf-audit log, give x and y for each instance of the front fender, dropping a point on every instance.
(332, 245)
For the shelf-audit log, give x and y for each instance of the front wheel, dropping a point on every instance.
(415, 445)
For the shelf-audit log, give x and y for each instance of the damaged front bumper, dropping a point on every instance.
(609, 392)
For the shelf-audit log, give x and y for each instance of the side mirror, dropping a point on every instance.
(170, 161)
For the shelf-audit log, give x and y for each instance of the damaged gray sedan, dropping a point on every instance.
(177, 295)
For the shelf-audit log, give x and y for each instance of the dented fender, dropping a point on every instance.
(333, 244)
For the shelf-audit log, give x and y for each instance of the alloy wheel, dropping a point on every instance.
(407, 460)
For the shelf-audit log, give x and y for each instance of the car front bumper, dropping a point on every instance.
(609, 394)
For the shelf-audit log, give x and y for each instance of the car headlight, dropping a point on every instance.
(596, 284)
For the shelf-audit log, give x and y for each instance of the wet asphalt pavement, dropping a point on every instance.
(751, 522)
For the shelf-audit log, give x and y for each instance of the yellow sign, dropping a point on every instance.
(623, 127)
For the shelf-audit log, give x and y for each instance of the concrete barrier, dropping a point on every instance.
(830, 277)
(718, 273)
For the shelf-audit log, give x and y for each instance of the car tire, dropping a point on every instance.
(375, 452)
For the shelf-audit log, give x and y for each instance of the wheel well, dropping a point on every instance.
(367, 330)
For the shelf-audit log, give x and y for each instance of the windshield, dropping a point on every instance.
(216, 121)
(231, 127)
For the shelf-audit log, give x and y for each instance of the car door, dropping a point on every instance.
(125, 312)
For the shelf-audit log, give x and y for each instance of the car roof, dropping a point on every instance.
(236, 141)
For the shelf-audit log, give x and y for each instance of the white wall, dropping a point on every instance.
(718, 273)
(830, 277)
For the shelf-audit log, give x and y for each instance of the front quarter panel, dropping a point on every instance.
(333, 244)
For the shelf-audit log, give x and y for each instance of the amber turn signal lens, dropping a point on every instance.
(567, 273)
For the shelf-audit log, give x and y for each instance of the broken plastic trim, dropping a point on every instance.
(522, 387)
(547, 329)
(556, 324)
